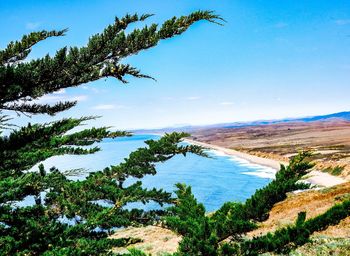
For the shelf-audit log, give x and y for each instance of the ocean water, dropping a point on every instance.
(214, 180)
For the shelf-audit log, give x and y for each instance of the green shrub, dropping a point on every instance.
(285, 239)
(202, 234)
(335, 170)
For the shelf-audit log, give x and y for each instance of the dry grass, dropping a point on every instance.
(313, 202)
(156, 240)
(329, 140)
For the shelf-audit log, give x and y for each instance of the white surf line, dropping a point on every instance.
(243, 156)
(254, 169)
(315, 177)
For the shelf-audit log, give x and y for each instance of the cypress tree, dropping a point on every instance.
(42, 227)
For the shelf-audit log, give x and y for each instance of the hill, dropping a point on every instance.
(340, 116)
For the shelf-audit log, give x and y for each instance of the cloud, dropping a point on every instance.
(226, 103)
(108, 107)
(32, 25)
(281, 25)
(47, 99)
(193, 98)
(342, 22)
(93, 89)
(61, 91)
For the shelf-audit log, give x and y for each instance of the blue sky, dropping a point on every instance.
(272, 59)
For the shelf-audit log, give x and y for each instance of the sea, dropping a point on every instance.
(214, 180)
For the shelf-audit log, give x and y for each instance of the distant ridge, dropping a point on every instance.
(341, 116)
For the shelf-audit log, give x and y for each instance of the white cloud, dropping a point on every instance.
(108, 107)
(226, 103)
(193, 98)
(47, 99)
(61, 91)
(342, 22)
(32, 25)
(93, 89)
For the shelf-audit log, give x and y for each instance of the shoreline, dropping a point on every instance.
(271, 163)
(315, 177)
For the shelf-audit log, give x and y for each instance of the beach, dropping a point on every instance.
(251, 158)
(315, 177)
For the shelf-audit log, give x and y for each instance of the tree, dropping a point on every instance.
(220, 233)
(39, 228)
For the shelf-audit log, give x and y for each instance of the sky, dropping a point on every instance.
(272, 59)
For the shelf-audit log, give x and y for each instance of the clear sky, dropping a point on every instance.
(272, 59)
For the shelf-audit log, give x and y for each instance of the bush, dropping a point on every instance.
(285, 239)
(202, 234)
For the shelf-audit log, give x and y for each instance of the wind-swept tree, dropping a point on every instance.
(222, 233)
(67, 217)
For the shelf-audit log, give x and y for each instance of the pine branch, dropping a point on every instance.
(34, 143)
(40, 108)
(100, 58)
(19, 50)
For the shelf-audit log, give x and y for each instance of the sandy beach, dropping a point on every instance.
(251, 158)
(315, 177)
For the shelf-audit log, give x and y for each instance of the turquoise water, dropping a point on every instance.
(214, 180)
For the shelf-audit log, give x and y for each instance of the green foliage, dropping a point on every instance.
(67, 217)
(37, 228)
(135, 252)
(335, 170)
(234, 219)
(258, 206)
(187, 217)
(285, 239)
(202, 234)
(207, 235)
(22, 82)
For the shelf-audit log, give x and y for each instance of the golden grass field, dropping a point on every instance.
(329, 140)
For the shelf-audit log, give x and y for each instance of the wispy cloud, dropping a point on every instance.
(61, 91)
(342, 22)
(108, 107)
(47, 99)
(93, 89)
(193, 98)
(226, 103)
(281, 25)
(32, 25)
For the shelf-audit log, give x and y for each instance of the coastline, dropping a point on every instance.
(315, 177)
(271, 163)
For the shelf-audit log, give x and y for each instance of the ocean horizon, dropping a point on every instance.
(214, 180)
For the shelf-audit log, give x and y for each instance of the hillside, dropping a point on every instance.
(328, 139)
(340, 116)
(332, 241)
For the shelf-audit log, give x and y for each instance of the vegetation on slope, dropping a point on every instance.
(208, 235)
